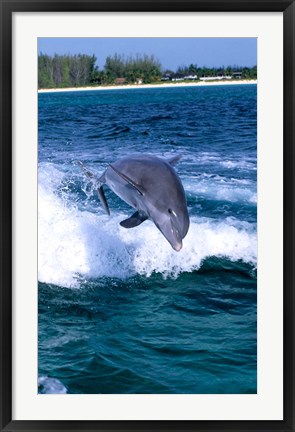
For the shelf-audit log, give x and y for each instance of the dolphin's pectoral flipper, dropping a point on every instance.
(103, 200)
(135, 220)
(173, 161)
(127, 179)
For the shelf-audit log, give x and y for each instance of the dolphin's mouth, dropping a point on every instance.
(177, 246)
(171, 232)
(176, 240)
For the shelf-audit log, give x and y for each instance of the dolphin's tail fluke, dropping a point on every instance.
(88, 173)
(98, 183)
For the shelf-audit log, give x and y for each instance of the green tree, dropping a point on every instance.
(66, 70)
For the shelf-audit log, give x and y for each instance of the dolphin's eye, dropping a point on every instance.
(172, 212)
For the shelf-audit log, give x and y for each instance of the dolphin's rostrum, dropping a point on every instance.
(150, 185)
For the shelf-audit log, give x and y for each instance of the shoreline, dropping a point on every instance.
(146, 86)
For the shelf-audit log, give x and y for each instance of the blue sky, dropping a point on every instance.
(171, 52)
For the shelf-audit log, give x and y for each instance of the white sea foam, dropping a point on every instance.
(51, 385)
(76, 245)
(241, 165)
(211, 158)
(221, 188)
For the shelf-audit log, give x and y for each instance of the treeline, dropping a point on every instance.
(66, 70)
(140, 68)
(81, 70)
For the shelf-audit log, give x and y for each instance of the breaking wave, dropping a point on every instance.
(48, 385)
(77, 244)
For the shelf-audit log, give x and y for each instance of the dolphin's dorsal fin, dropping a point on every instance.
(134, 220)
(103, 200)
(173, 161)
(138, 187)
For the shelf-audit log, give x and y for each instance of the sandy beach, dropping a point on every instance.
(142, 86)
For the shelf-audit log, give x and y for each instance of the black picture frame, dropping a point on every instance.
(7, 8)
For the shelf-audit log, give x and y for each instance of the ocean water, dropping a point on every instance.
(119, 310)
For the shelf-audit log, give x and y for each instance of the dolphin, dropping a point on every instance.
(152, 187)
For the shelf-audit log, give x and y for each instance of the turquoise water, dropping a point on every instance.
(119, 310)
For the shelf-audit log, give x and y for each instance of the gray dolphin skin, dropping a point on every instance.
(150, 185)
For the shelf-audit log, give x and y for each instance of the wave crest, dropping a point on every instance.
(48, 385)
(75, 245)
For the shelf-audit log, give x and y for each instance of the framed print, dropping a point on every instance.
(147, 215)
